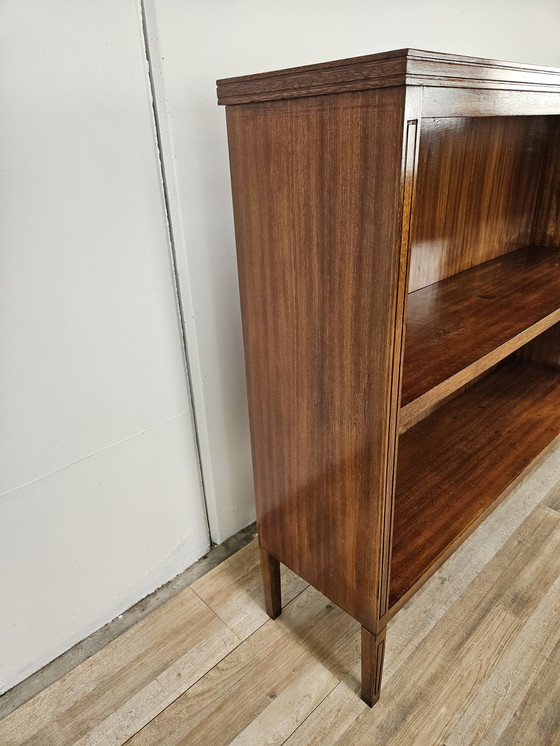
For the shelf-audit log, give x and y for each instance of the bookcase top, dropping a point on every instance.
(400, 67)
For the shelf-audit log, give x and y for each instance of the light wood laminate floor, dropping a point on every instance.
(472, 660)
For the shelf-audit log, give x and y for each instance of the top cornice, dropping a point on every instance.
(401, 67)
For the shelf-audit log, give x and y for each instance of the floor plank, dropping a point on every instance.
(325, 631)
(234, 591)
(537, 719)
(240, 691)
(331, 719)
(424, 699)
(553, 498)
(500, 698)
(287, 711)
(144, 669)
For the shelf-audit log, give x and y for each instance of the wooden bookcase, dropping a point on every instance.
(397, 222)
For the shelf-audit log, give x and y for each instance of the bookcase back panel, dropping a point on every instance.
(544, 350)
(547, 224)
(478, 185)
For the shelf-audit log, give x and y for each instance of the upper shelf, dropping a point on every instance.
(460, 327)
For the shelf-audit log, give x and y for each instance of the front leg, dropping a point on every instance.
(373, 652)
(270, 569)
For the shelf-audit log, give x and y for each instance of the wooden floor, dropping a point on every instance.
(473, 659)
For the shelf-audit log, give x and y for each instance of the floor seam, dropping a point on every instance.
(219, 617)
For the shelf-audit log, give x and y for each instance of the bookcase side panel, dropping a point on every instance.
(317, 191)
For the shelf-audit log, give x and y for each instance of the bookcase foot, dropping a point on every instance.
(373, 651)
(270, 569)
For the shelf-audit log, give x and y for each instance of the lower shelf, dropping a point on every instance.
(455, 466)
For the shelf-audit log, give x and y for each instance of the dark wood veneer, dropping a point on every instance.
(477, 191)
(320, 424)
(463, 325)
(544, 350)
(455, 465)
(402, 67)
(547, 224)
(397, 231)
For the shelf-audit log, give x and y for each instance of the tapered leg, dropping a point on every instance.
(373, 651)
(270, 568)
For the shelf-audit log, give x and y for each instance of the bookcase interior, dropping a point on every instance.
(481, 370)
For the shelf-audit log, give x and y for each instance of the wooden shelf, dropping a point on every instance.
(461, 326)
(454, 466)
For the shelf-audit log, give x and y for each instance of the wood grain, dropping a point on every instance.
(544, 350)
(553, 499)
(334, 638)
(270, 570)
(378, 70)
(325, 631)
(425, 406)
(547, 223)
(346, 196)
(399, 67)
(498, 701)
(477, 188)
(455, 466)
(234, 591)
(323, 429)
(458, 328)
(332, 718)
(438, 610)
(128, 682)
(373, 655)
(476, 641)
(484, 102)
(539, 710)
(270, 665)
(288, 710)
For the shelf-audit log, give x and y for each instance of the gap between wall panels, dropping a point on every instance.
(179, 264)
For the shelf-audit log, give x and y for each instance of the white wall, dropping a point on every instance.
(100, 497)
(196, 43)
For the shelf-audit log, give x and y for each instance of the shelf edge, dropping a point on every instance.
(411, 413)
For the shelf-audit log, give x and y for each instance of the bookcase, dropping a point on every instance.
(397, 221)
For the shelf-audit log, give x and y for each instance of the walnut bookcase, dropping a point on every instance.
(397, 226)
